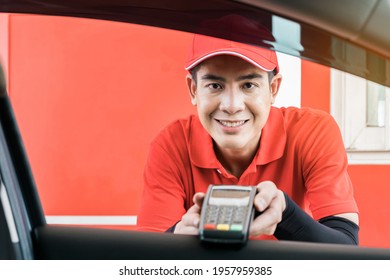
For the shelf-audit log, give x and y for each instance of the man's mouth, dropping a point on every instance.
(232, 123)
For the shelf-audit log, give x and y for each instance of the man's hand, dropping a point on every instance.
(189, 223)
(271, 202)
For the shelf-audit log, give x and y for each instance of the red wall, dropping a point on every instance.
(89, 97)
(72, 82)
(315, 86)
(371, 185)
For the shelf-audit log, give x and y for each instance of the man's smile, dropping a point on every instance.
(229, 123)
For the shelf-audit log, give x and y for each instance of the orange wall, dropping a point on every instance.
(72, 82)
(89, 97)
(315, 86)
(371, 185)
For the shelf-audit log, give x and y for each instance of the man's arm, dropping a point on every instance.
(299, 226)
(324, 164)
(283, 218)
(329, 191)
(189, 223)
(163, 200)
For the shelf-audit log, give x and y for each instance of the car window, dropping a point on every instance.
(90, 95)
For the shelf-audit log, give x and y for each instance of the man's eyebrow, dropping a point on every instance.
(250, 76)
(240, 78)
(213, 77)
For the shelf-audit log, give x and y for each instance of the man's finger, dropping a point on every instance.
(267, 191)
(267, 221)
(191, 219)
(198, 199)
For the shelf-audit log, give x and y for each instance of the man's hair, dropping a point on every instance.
(194, 71)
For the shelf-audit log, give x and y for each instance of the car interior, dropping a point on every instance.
(333, 34)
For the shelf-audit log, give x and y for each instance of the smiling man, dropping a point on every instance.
(233, 99)
(294, 157)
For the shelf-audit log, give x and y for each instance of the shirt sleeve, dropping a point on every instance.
(324, 161)
(299, 226)
(164, 200)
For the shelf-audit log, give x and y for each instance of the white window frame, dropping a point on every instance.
(364, 144)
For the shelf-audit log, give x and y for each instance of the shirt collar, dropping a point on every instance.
(272, 142)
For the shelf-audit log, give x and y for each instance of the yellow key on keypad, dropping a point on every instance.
(223, 227)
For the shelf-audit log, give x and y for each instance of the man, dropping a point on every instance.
(294, 157)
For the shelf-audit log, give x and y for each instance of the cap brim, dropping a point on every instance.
(247, 56)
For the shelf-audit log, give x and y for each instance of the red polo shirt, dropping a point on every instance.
(300, 150)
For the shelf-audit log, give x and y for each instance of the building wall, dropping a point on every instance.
(72, 88)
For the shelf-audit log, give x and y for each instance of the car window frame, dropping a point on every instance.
(39, 239)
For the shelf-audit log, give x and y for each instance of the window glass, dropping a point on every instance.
(376, 105)
(361, 109)
(89, 97)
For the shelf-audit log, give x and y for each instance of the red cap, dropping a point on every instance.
(204, 47)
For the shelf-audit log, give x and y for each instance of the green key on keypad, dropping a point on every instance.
(236, 227)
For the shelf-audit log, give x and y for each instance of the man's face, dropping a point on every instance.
(233, 100)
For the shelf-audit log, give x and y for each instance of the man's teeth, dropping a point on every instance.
(232, 124)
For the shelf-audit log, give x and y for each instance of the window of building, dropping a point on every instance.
(362, 110)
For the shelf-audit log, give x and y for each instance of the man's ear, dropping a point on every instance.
(191, 84)
(275, 85)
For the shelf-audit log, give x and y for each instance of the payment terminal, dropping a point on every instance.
(226, 213)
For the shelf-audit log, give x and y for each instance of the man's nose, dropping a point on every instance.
(232, 101)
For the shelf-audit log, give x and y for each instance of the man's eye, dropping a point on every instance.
(214, 86)
(248, 85)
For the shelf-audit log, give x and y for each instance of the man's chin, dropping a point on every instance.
(231, 145)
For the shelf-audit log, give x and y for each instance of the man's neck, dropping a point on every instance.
(235, 161)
